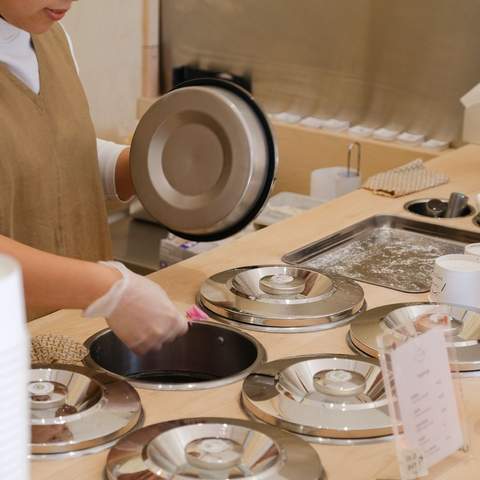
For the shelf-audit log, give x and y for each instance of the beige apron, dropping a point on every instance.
(51, 196)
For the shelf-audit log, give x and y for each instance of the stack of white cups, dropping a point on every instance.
(14, 371)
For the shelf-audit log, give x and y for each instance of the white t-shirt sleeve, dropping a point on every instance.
(108, 152)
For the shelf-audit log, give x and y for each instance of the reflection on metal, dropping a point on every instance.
(463, 333)
(329, 398)
(435, 208)
(212, 448)
(208, 356)
(281, 298)
(393, 252)
(77, 411)
(217, 133)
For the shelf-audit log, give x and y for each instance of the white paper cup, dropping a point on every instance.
(473, 249)
(456, 280)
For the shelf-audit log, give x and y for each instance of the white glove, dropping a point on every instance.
(138, 311)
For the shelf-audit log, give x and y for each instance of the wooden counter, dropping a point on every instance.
(182, 282)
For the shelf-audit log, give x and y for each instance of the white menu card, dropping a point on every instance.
(426, 397)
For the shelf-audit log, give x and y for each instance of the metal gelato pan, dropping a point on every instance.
(281, 298)
(464, 332)
(208, 356)
(213, 448)
(389, 251)
(76, 411)
(335, 399)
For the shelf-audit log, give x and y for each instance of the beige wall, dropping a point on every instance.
(107, 37)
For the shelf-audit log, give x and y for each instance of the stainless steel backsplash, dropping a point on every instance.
(400, 64)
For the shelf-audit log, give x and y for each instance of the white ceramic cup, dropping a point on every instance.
(456, 280)
(473, 249)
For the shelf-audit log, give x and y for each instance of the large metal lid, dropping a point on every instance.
(75, 410)
(212, 448)
(326, 398)
(464, 334)
(281, 298)
(204, 159)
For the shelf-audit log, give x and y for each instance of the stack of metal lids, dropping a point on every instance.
(337, 399)
(463, 330)
(212, 448)
(281, 298)
(75, 410)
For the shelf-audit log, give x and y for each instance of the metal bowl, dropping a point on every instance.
(208, 356)
(204, 160)
(420, 207)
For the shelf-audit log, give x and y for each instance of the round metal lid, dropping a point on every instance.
(281, 298)
(212, 448)
(77, 410)
(204, 160)
(326, 398)
(466, 328)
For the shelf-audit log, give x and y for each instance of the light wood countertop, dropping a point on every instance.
(183, 280)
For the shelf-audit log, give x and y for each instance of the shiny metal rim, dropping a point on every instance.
(265, 329)
(406, 207)
(246, 120)
(96, 409)
(146, 453)
(341, 442)
(205, 385)
(298, 409)
(336, 306)
(367, 326)
(42, 457)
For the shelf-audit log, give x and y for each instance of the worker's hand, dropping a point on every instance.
(139, 312)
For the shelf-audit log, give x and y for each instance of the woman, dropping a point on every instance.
(52, 212)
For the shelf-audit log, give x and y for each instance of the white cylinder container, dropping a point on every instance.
(14, 374)
(329, 183)
(456, 280)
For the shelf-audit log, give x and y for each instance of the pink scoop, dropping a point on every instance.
(194, 314)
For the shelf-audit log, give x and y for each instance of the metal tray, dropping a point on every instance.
(393, 252)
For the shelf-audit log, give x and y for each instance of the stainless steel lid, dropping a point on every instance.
(75, 410)
(212, 448)
(325, 398)
(281, 298)
(204, 159)
(466, 328)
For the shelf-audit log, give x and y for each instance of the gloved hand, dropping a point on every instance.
(138, 311)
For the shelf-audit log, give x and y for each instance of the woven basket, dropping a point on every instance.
(57, 349)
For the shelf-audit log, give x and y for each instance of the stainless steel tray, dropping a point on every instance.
(385, 250)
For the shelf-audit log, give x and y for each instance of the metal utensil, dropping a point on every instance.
(351, 147)
(436, 207)
(456, 203)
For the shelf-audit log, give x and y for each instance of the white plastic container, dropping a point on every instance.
(14, 377)
(473, 249)
(456, 280)
(329, 183)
